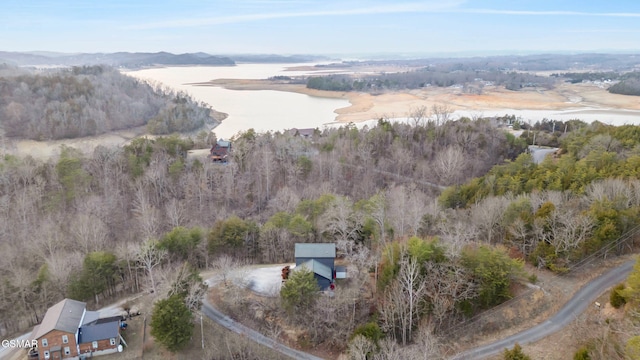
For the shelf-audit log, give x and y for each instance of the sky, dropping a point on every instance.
(329, 27)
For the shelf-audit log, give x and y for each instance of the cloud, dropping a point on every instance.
(370, 10)
(451, 7)
(601, 31)
(546, 13)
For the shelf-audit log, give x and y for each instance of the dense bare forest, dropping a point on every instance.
(57, 213)
(473, 74)
(473, 80)
(146, 217)
(534, 62)
(84, 101)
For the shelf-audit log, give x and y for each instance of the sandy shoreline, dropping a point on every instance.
(587, 102)
(579, 99)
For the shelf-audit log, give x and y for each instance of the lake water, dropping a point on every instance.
(615, 117)
(265, 110)
(262, 110)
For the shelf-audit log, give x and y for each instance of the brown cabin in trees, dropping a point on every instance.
(68, 330)
(220, 151)
(305, 133)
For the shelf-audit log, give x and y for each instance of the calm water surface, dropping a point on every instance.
(262, 110)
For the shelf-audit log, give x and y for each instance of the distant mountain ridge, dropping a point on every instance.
(119, 59)
(138, 60)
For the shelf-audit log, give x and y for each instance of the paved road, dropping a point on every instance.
(214, 314)
(584, 298)
(8, 353)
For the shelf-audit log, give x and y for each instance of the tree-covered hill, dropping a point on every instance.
(563, 209)
(472, 80)
(276, 190)
(119, 59)
(628, 85)
(89, 100)
(143, 217)
(474, 73)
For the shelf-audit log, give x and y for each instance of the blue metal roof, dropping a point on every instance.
(317, 268)
(315, 250)
(99, 331)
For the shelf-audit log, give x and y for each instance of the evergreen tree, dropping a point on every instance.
(300, 291)
(632, 292)
(98, 275)
(171, 323)
(515, 354)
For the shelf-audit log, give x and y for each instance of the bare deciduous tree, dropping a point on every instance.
(150, 257)
(449, 165)
(340, 221)
(179, 279)
(399, 204)
(89, 232)
(523, 238)
(335, 317)
(60, 267)
(567, 230)
(285, 200)
(176, 213)
(402, 301)
(441, 114)
(146, 214)
(418, 116)
(225, 265)
(456, 234)
(615, 190)
(487, 215)
(389, 350)
(360, 347)
(446, 286)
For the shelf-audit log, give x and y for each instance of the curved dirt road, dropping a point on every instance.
(582, 299)
(214, 314)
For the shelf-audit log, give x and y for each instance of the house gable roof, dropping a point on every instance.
(64, 316)
(315, 250)
(220, 149)
(90, 316)
(302, 132)
(98, 330)
(317, 268)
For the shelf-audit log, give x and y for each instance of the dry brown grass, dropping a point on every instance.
(366, 106)
(536, 307)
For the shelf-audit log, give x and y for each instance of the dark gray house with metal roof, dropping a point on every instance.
(319, 258)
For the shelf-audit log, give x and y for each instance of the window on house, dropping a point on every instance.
(67, 351)
(46, 354)
(112, 341)
(65, 339)
(45, 343)
(94, 344)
